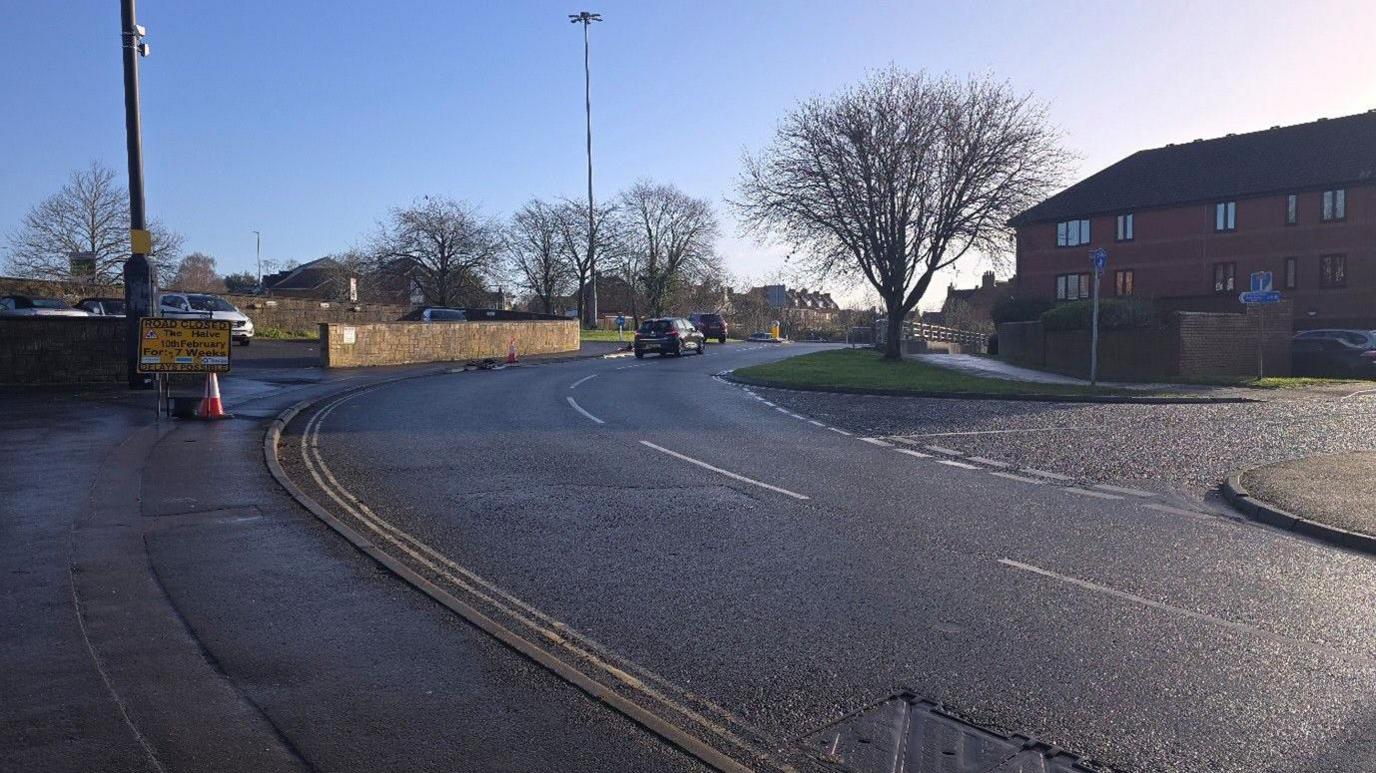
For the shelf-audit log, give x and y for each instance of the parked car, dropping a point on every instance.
(668, 335)
(436, 314)
(711, 325)
(1334, 353)
(102, 307)
(205, 306)
(28, 306)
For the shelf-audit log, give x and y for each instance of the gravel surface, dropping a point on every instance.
(1189, 448)
(1335, 490)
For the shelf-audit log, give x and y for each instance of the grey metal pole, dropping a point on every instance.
(138, 269)
(258, 253)
(587, 112)
(1094, 334)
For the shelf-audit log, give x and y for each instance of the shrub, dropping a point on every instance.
(1114, 314)
(1012, 309)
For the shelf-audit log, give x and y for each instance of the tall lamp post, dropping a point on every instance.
(138, 269)
(258, 254)
(586, 19)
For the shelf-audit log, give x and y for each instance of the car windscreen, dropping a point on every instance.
(48, 303)
(113, 307)
(445, 315)
(656, 326)
(709, 319)
(209, 303)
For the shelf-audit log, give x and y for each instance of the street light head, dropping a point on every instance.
(140, 30)
(144, 50)
(585, 17)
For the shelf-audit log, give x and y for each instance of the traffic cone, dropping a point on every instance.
(511, 352)
(211, 407)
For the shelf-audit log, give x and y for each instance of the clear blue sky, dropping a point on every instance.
(308, 119)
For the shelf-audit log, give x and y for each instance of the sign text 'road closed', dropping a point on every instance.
(183, 345)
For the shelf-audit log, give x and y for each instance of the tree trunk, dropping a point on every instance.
(582, 288)
(893, 342)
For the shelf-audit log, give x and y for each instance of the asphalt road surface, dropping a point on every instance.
(752, 573)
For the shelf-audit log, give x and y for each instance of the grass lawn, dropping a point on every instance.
(864, 368)
(1277, 382)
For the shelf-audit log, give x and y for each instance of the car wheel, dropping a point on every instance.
(245, 341)
(639, 354)
(702, 346)
(721, 339)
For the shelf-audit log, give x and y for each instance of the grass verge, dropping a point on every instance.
(278, 334)
(1274, 382)
(605, 335)
(866, 369)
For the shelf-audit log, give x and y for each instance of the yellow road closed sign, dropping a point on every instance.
(183, 345)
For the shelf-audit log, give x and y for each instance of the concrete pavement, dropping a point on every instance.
(771, 569)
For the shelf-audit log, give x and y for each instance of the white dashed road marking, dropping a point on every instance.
(961, 465)
(911, 452)
(1171, 510)
(946, 451)
(839, 431)
(1132, 492)
(989, 462)
(1019, 478)
(575, 384)
(1087, 493)
(1045, 474)
(814, 421)
(877, 442)
(579, 408)
(720, 471)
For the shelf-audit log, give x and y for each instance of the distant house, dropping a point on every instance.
(802, 306)
(971, 308)
(324, 279)
(1186, 224)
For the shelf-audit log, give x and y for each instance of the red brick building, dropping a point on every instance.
(1187, 224)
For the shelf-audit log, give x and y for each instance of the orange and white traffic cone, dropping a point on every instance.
(211, 407)
(511, 352)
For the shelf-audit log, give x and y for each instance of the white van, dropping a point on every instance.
(204, 306)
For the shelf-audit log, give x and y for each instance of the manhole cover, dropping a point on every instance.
(907, 735)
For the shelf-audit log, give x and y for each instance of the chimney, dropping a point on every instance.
(988, 280)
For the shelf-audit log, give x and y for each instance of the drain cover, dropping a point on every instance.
(907, 735)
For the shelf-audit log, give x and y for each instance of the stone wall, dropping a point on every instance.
(302, 314)
(62, 350)
(400, 343)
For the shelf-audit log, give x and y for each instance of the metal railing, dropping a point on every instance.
(912, 330)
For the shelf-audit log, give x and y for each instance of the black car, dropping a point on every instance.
(102, 307)
(1334, 353)
(711, 325)
(668, 335)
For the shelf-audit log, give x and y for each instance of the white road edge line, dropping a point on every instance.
(579, 408)
(990, 462)
(946, 451)
(814, 421)
(575, 384)
(720, 471)
(911, 452)
(1045, 474)
(877, 442)
(961, 465)
(1172, 510)
(1019, 478)
(1132, 492)
(1088, 493)
(839, 431)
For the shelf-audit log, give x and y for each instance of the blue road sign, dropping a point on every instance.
(620, 320)
(1098, 257)
(1268, 296)
(1261, 281)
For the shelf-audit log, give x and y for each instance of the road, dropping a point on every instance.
(751, 573)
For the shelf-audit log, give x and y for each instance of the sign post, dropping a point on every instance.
(620, 325)
(1099, 258)
(1260, 295)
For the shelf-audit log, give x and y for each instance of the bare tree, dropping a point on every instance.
(573, 243)
(900, 177)
(444, 248)
(90, 215)
(536, 252)
(241, 282)
(196, 273)
(670, 237)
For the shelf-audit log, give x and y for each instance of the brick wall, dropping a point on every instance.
(1190, 345)
(62, 350)
(399, 343)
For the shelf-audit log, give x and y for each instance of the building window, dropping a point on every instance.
(1072, 233)
(1334, 205)
(1225, 277)
(1225, 216)
(1125, 228)
(1292, 270)
(1333, 271)
(1292, 209)
(1122, 282)
(1072, 287)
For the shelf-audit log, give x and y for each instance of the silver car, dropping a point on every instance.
(206, 306)
(27, 306)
